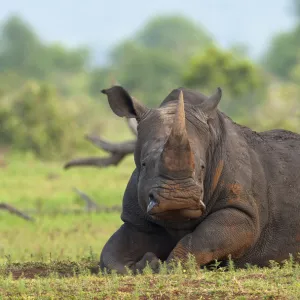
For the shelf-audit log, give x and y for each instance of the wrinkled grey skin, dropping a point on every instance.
(213, 188)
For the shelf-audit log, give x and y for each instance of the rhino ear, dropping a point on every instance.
(122, 104)
(209, 106)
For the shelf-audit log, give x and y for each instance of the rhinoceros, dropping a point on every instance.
(204, 186)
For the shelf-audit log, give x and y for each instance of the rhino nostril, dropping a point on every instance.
(152, 202)
(151, 197)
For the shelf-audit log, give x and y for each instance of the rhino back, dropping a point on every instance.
(279, 155)
(281, 161)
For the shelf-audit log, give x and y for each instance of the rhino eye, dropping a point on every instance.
(143, 164)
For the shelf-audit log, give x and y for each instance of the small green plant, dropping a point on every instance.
(215, 265)
(231, 266)
(191, 265)
(147, 270)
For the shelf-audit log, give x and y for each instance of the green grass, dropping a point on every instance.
(58, 237)
(80, 280)
(25, 183)
(52, 257)
(31, 184)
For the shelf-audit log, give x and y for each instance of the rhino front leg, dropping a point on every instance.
(133, 248)
(225, 232)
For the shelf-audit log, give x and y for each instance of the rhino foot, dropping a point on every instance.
(150, 259)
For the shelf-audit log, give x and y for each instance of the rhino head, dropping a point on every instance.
(171, 151)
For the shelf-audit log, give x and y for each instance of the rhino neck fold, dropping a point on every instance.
(216, 163)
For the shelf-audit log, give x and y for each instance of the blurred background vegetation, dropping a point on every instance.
(50, 93)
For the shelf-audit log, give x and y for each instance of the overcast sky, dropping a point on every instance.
(103, 23)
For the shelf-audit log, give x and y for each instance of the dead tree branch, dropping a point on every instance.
(98, 162)
(117, 151)
(120, 148)
(15, 211)
(90, 205)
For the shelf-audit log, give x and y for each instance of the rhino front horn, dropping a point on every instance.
(177, 157)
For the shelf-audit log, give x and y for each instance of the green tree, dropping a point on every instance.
(67, 60)
(23, 53)
(242, 82)
(280, 110)
(296, 9)
(35, 122)
(147, 73)
(99, 78)
(176, 35)
(21, 50)
(151, 63)
(283, 53)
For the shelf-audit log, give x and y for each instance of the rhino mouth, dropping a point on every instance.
(176, 209)
(182, 214)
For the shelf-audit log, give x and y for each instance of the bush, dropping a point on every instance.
(35, 121)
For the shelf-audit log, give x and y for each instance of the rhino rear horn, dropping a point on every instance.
(177, 157)
(210, 105)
